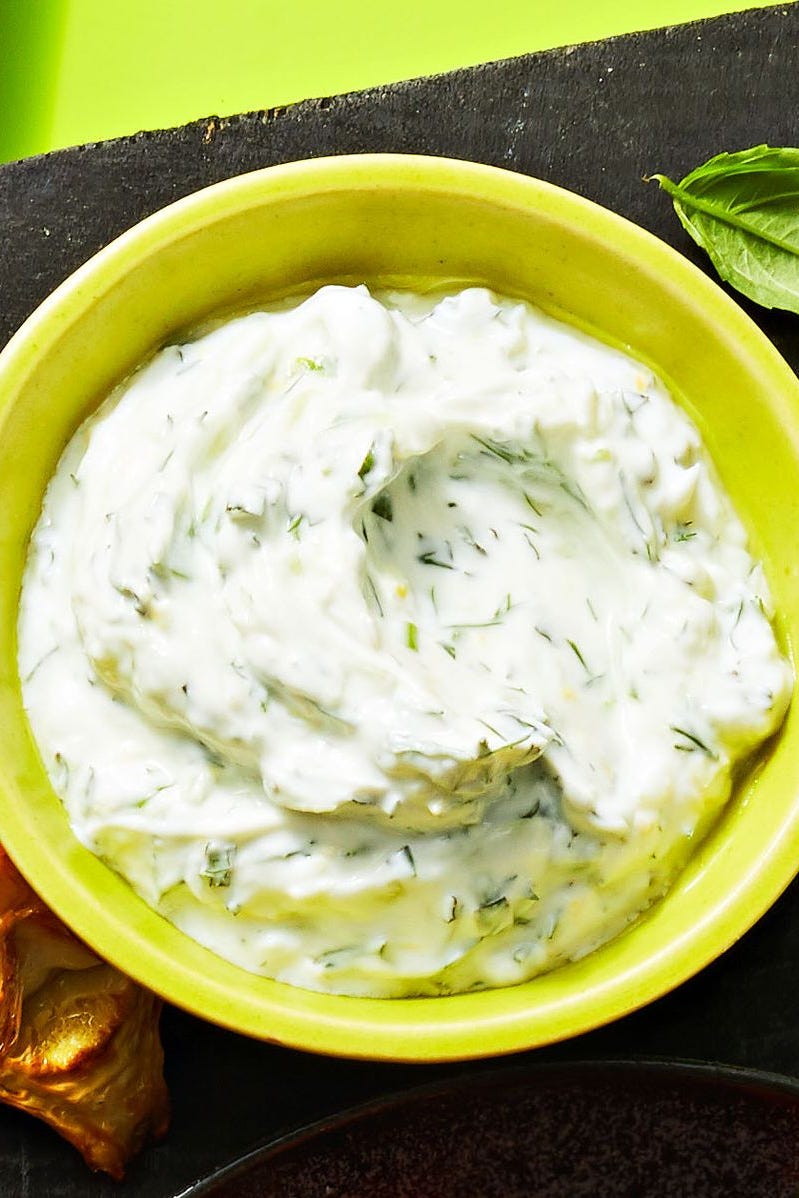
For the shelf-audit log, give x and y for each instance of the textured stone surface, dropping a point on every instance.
(595, 119)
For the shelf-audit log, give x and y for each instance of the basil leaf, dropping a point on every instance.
(743, 209)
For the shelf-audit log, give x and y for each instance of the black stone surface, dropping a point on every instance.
(595, 118)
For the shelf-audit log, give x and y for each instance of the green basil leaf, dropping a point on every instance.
(743, 209)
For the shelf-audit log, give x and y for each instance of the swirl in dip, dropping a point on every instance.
(394, 645)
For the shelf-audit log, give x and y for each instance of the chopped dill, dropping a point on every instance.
(367, 465)
(383, 507)
(371, 593)
(218, 867)
(693, 745)
(494, 916)
(468, 537)
(575, 650)
(40, 662)
(405, 852)
(141, 606)
(503, 452)
(492, 623)
(573, 492)
(294, 526)
(532, 545)
(429, 559)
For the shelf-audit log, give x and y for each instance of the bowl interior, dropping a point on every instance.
(414, 222)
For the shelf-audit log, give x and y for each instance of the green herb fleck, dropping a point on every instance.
(683, 532)
(693, 745)
(164, 571)
(575, 650)
(430, 559)
(367, 464)
(532, 545)
(335, 958)
(371, 593)
(494, 916)
(218, 868)
(407, 855)
(382, 506)
(498, 450)
(141, 606)
(294, 526)
(469, 539)
(40, 662)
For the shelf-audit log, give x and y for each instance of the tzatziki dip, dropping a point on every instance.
(394, 644)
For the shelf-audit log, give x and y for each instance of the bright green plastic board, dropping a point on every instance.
(80, 70)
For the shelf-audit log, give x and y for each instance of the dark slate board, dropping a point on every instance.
(594, 118)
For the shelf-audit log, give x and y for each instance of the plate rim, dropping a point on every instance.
(684, 1069)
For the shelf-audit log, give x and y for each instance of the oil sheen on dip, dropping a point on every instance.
(394, 646)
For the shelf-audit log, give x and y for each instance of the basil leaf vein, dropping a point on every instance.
(742, 208)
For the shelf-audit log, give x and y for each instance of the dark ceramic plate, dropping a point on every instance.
(550, 1131)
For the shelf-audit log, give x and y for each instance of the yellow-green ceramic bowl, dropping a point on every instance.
(406, 219)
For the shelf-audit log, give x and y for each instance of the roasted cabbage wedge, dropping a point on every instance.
(79, 1041)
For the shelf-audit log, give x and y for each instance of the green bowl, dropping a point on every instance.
(404, 220)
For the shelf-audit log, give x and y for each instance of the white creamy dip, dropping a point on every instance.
(394, 646)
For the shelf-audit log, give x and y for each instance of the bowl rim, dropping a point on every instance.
(453, 1027)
